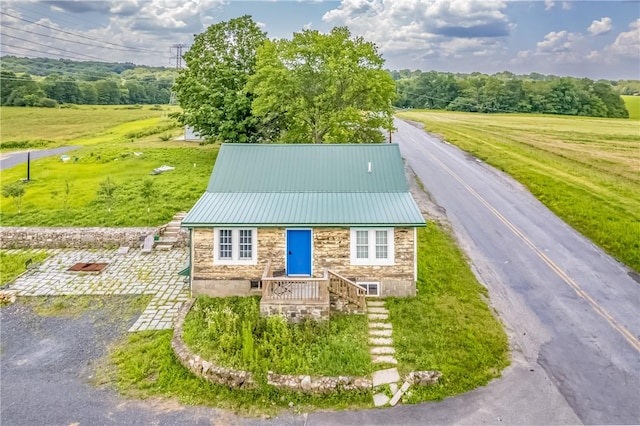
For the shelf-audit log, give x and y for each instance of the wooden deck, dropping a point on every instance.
(309, 290)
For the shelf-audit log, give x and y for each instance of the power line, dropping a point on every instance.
(38, 51)
(63, 39)
(52, 47)
(138, 49)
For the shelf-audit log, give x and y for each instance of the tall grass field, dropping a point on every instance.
(120, 144)
(586, 170)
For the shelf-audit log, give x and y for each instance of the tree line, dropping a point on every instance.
(507, 92)
(48, 82)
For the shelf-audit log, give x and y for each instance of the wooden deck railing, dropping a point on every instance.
(293, 288)
(347, 289)
(310, 289)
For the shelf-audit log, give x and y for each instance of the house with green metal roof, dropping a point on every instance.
(309, 227)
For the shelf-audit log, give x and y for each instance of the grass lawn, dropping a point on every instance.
(584, 169)
(66, 193)
(633, 106)
(13, 264)
(447, 327)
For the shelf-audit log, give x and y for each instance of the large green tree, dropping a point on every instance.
(211, 87)
(319, 88)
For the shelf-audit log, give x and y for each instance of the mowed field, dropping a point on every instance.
(24, 128)
(633, 106)
(586, 170)
(121, 144)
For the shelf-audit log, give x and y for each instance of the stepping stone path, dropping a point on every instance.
(380, 332)
(382, 352)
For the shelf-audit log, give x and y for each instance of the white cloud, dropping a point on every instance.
(420, 27)
(627, 44)
(555, 41)
(548, 4)
(567, 5)
(139, 31)
(602, 26)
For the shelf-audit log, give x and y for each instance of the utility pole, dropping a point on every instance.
(178, 58)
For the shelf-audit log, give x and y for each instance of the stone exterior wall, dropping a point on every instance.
(331, 249)
(296, 312)
(34, 237)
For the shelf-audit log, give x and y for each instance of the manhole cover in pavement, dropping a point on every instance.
(88, 267)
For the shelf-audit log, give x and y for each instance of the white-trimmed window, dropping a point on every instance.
(235, 246)
(372, 288)
(372, 246)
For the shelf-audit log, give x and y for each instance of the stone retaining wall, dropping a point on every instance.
(221, 375)
(244, 380)
(320, 384)
(35, 237)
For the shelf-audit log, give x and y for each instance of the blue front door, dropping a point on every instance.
(299, 252)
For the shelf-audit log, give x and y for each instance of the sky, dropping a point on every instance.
(593, 39)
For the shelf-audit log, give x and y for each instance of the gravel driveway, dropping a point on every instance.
(48, 363)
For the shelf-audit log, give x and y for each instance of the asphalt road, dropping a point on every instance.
(11, 159)
(571, 310)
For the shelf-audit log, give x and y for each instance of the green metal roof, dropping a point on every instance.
(305, 209)
(307, 185)
(308, 168)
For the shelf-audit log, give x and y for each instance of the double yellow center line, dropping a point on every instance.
(628, 336)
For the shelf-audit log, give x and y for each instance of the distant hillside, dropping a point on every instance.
(49, 82)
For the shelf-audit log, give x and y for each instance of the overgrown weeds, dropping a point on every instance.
(232, 333)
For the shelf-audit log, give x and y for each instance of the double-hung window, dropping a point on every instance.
(235, 246)
(372, 246)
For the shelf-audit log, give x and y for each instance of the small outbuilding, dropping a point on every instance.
(305, 226)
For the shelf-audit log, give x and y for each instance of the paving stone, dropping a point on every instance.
(381, 341)
(378, 316)
(380, 332)
(398, 395)
(382, 350)
(393, 387)
(375, 303)
(129, 274)
(380, 400)
(377, 310)
(384, 377)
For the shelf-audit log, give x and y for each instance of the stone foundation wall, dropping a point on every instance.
(397, 288)
(35, 237)
(220, 288)
(296, 312)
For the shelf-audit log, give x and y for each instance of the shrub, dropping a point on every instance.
(47, 103)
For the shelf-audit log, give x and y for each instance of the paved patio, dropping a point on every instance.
(131, 273)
